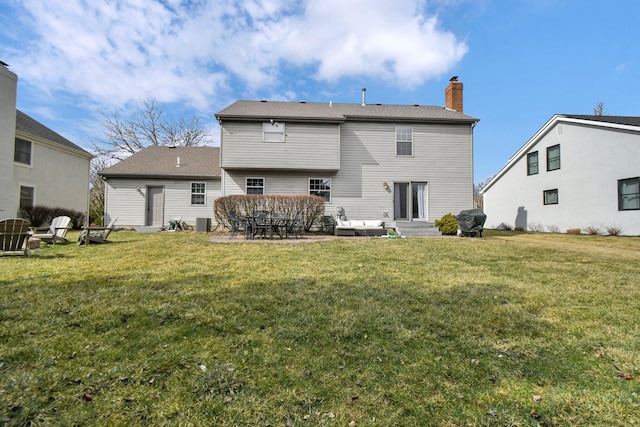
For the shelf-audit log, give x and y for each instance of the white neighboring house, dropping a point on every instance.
(37, 165)
(577, 171)
(159, 183)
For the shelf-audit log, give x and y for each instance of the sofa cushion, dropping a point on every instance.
(372, 223)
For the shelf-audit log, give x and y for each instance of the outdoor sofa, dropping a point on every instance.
(356, 227)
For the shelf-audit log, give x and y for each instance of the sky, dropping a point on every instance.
(521, 61)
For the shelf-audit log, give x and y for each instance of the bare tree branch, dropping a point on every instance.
(600, 110)
(124, 136)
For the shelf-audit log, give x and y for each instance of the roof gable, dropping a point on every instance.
(165, 161)
(30, 126)
(626, 123)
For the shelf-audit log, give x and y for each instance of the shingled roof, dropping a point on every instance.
(162, 162)
(620, 120)
(30, 126)
(337, 112)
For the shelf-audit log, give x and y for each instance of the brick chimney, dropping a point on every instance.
(453, 95)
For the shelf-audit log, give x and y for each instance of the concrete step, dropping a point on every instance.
(417, 228)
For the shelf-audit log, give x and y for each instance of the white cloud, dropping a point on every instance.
(118, 51)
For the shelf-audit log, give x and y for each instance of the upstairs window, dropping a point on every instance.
(22, 153)
(551, 197)
(553, 158)
(320, 187)
(198, 192)
(404, 141)
(629, 194)
(272, 131)
(532, 163)
(255, 186)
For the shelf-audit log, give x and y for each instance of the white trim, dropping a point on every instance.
(542, 132)
(273, 128)
(321, 179)
(264, 184)
(191, 193)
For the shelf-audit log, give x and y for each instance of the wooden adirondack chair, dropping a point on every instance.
(14, 234)
(57, 231)
(96, 234)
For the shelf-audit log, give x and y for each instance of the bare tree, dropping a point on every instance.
(599, 109)
(478, 201)
(125, 136)
(96, 190)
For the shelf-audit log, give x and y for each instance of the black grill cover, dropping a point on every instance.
(471, 220)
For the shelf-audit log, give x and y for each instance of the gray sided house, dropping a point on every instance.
(37, 165)
(577, 171)
(395, 163)
(151, 187)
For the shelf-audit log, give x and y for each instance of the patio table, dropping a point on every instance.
(267, 225)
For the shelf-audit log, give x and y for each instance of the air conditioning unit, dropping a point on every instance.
(203, 225)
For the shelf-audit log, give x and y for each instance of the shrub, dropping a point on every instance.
(536, 227)
(592, 230)
(575, 231)
(553, 229)
(310, 208)
(614, 231)
(41, 215)
(447, 225)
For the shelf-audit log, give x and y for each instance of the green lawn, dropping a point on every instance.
(172, 329)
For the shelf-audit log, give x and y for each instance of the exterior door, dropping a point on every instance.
(410, 201)
(155, 206)
(418, 200)
(401, 200)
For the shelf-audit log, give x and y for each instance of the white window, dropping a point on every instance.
(320, 187)
(22, 153)
(255, 186)
(404, 141)
(273, 131)
(198, 192)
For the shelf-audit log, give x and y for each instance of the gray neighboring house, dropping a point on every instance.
(37, 165)
(577, 171)
(396, 163)
(151, 187)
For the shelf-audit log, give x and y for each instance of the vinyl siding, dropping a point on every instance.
(125, 202)
(306, 146)
(442, 159)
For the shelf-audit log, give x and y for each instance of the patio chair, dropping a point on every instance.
(14, 234)
(295, 226)
(57, 231)
(238, 224)
(96, 234)
(261, 223)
